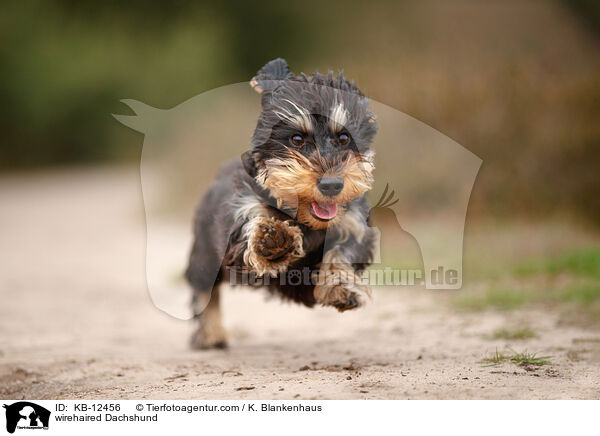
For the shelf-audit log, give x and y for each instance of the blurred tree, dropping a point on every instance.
(66, 64)
(588, 11)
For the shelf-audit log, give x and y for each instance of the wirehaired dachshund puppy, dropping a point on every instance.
(291, 215)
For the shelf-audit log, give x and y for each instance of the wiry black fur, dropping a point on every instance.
(219, 244)
(317, 92)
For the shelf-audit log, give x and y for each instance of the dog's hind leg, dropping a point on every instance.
(209, 331)
(204, 275)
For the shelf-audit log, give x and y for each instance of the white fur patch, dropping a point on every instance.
(247, 207)
(338, 117)
(302, 119)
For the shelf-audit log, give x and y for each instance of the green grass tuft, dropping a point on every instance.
(529, 359)
(494, 359)
(522, 359)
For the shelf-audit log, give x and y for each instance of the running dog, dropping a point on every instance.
(291, 213)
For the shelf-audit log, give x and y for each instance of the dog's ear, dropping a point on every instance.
(268, 77)
(249, 164)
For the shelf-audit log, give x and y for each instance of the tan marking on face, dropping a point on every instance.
(293, 181)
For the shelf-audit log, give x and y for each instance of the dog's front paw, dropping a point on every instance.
(338, 286)
(342, 297)
(272, 245)
(275, 240)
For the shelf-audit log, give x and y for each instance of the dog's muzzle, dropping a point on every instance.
(330, 186)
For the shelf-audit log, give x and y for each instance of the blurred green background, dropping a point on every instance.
(518, 83)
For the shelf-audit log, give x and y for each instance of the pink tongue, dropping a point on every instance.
(325, 211)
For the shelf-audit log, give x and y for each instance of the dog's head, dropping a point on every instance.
(311, 146)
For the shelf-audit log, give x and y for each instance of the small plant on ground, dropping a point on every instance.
(524, 359)
(495, 359)
(529, 359)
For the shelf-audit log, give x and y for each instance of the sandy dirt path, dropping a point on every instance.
(76, 322)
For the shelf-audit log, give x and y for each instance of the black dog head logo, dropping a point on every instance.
(26, 414)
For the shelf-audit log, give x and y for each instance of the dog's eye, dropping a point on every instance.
(297, 140)
(344, 139)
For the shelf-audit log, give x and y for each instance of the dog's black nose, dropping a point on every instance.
(330, 186)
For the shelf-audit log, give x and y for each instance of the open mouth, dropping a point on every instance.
(323, 211)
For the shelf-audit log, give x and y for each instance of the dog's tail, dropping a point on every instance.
(268, 77)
